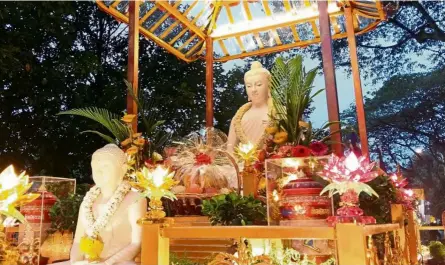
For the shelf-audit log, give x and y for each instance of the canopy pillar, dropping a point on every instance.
(329, 76)
(133, 58)
(209, 82)
(360, 109)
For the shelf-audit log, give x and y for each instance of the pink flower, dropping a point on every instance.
(285, 150)
(318, 148)
(349, 169)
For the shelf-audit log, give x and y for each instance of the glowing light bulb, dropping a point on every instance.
(292, 162)
(158, 175)
(275, 195)
(8, 179)
(410, 193)
(393, 177)
(351, 162)
(246, 148)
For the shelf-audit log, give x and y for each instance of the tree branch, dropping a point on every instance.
(400, 43)
(422, 35)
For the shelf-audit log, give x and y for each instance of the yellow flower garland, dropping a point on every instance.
(239, 130)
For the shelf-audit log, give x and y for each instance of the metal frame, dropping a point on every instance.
(188, 51)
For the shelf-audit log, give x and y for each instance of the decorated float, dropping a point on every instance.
(279, 161)
(269, 186)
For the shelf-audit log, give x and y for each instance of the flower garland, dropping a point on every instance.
(112, 205)
(239, 130)
(91, 245)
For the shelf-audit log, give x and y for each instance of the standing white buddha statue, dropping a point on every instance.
(110, 212)
(251, 120)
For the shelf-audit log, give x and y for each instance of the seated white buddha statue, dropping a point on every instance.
(108, 215)
(251, 120)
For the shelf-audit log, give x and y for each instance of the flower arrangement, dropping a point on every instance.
(140, 150)
(289, 135)
(200, 159)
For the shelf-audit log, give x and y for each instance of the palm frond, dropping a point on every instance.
(104, 136)
(291, 88)
(107, 119)
(151, 124)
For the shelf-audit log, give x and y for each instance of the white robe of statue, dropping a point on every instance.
(255, 120)
(122, 236)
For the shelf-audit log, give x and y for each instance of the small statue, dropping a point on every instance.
(251, 120)
(107, 231)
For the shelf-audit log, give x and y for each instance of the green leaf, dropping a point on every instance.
(104, 136)
(107, 119)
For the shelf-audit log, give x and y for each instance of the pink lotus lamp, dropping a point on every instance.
(348, 176)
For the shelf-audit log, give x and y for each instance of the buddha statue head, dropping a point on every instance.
(257, 81)
(109, 167)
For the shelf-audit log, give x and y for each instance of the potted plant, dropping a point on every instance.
(234, 209)
(437, 251)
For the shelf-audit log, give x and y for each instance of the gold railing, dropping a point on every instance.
(351, 239)
(420, 229)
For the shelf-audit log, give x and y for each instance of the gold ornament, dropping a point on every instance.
(239, 129)
(91, 247)
(245, 256)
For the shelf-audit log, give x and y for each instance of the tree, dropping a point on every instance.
(393, 48)
(405, 114)
(71, 55)
(428, 171)
(58, 57)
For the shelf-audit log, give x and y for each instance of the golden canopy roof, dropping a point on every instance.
(241, 28)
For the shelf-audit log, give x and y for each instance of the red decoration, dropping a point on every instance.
(259, 166)
(318, 148)
(202, 159)
(33, 210)
(262, 156)
(300, 151)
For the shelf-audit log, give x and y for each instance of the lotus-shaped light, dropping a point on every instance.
(13, 190)
(155, 182)
(349, 173)
(246, 152)
(348, 169)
